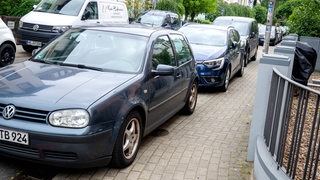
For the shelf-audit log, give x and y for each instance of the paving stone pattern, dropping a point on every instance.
(210, 144)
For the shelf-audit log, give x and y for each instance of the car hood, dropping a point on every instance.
(205, 52)
(52, 86)
(42, 18)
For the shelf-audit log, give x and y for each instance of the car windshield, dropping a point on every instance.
(241, 27)
(205, 36)
(65, 7)
(98, 50)
(149, 19)
(262, 29)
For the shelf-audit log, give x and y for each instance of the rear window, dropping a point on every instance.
(240, 26)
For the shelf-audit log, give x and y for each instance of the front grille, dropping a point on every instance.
(60, 155)
(27, 114)
(32, 37)
(43, 28)
(33, 153)
(29, 152)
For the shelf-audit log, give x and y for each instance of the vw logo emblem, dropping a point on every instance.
(36, 27)
(8, 111)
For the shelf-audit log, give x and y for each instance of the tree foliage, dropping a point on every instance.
(285, 10)
(195, 7)
(305, 19)
(16, 7)
(171, 5)
(260, 14)
(225, 9)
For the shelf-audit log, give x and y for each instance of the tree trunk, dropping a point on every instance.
(192, 16)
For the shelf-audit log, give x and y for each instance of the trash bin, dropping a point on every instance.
(305, 58)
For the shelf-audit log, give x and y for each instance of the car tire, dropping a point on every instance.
(241, 70)
(128, 141)
(246, 58)
(7, 54)
(226, 80)
(192, 97)
(29, 48)
(255, 55)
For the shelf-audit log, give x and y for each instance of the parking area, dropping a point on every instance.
(210, 144)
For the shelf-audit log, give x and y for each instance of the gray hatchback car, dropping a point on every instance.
(89, 96)
(248, 30)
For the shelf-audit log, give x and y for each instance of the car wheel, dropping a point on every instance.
(7, 54)
(246, 59)
(226, 82)
(192, 99)
(241, 70)
(128, 141)
(29, 48)
(255, 55)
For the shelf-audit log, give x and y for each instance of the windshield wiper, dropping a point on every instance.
(82, 66)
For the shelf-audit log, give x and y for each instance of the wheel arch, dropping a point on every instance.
(11, 43)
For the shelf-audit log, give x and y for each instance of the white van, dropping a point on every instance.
(52, 17)
(7, 45)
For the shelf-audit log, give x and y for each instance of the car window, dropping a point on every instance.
(65, 7)
(182, 48)
(205, 36)
(162, 52)
(92, 7)
(235, 36)
(242, 27)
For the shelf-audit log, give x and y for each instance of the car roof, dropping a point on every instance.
(223, 28)
(160, 13)
(235, 18)
(134, 29)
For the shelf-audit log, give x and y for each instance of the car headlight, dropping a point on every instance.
(60, 29)
(72, 118)
(215, 63)
(20, 24)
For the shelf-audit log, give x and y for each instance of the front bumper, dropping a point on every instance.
(211, 77)
(62, 150)
(25, 35)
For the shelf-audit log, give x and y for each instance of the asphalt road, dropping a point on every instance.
(16, 170)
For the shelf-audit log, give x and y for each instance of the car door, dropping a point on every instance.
(234, 50)
(164, 89)
(254, 38)
(90, 15)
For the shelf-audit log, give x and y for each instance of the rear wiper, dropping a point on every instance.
(82, 66)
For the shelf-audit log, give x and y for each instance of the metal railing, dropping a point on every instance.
(292, 127)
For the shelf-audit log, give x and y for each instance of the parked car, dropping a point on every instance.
(50, 18)
(218, 53)
(7, 45)
(158, 18)
(89, 96)
(274, 37)
(248, 30)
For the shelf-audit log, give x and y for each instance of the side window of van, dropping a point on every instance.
(92, 7)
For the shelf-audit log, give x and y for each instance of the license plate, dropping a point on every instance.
(14, 136)
(33, 43)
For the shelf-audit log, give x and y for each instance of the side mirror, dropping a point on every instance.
(163, 70)
(35, 51)
(234, 44)
(86, 15)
